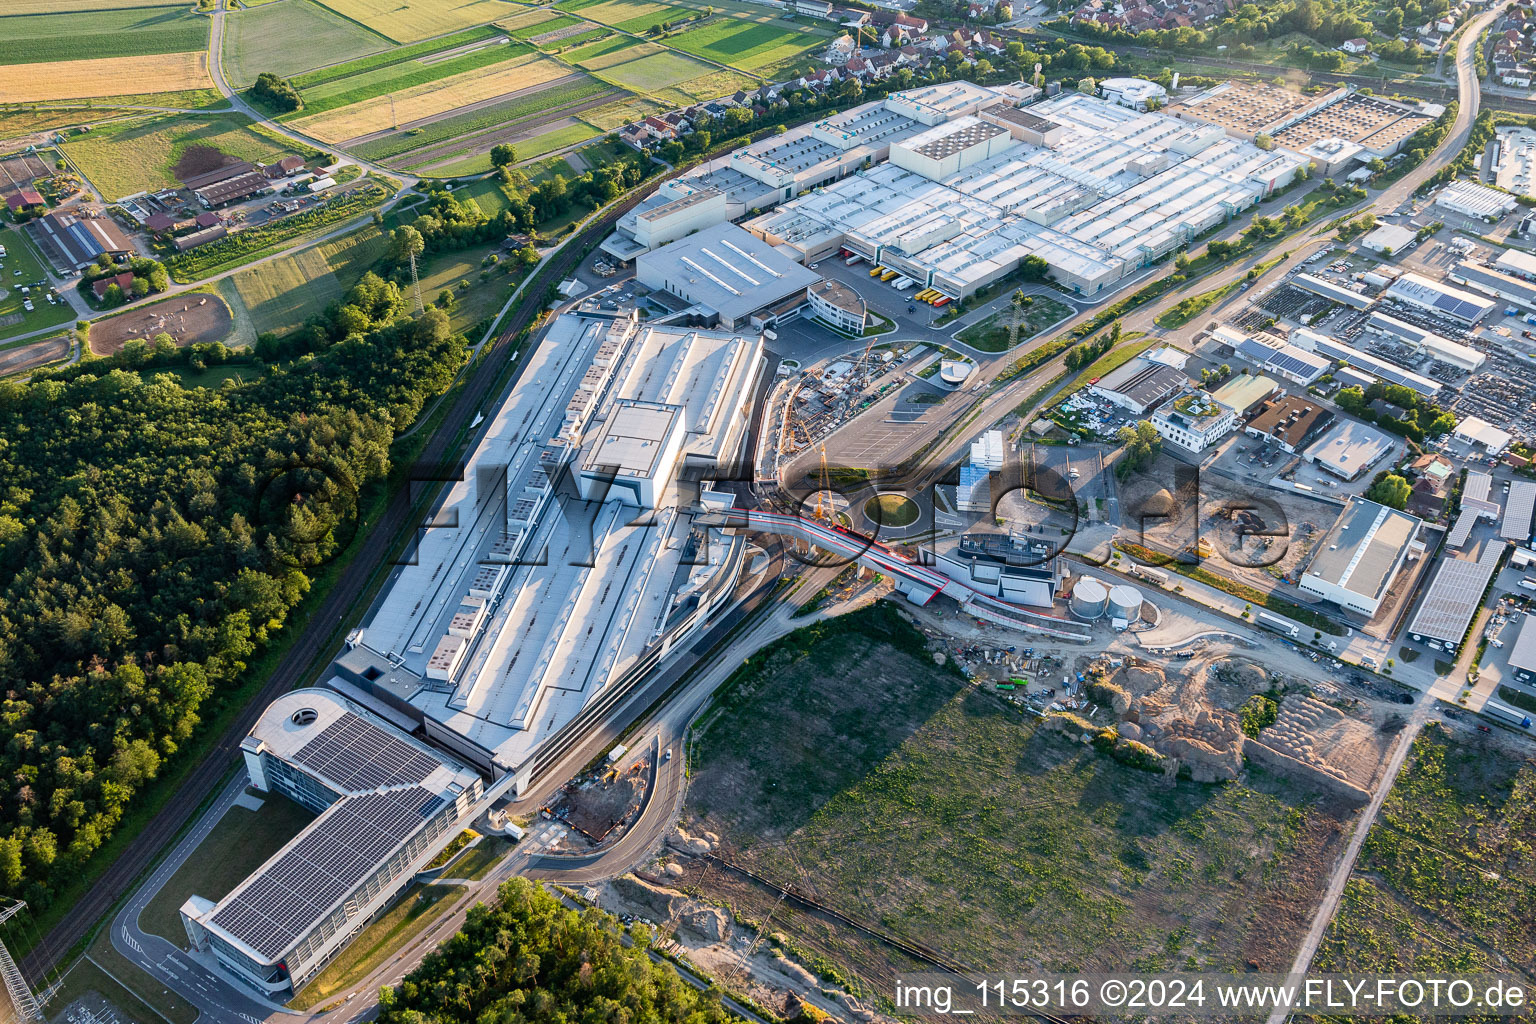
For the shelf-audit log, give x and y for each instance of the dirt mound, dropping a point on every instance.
(1140, 679)
(1159, 503)
(197, 160)
(664, 904)
(1244, 674)
(1211, 743)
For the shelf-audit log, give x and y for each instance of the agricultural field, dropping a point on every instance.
(612, 116)
(567, 38)
(652, 73)
(523, 118)
(281, 294)
(14, 318)
(410, 21)
(549, 23)
(423, 101)
(82, 79)
(288, 37)
(531, 143)
(601, 48)
(397, 77)
(556, 139)
(457, 133)
(842, 758)
(69, 6)
(25, 121)
(396, 55)
(138, 156)
(762, 47)
(132, 32)
(706, 87)
(1446, 879)
(526, 20)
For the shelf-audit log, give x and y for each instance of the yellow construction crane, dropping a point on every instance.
(826, 486)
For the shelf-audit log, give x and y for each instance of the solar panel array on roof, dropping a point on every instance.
(1285, 362)
(358, 756)
(1453, 597)
(283, 901)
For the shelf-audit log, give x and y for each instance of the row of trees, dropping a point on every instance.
(1327, 23)
(153, 538)
(527, 957)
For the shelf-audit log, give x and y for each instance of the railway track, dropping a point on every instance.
(344, 597)
(915, 950)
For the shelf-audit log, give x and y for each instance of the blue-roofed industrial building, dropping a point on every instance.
(1440, 298)
(72, 242)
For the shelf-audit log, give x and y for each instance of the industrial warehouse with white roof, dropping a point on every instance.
(492, 652)
(1360, 555)
(960, 205)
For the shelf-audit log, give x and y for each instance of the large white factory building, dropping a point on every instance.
(1095, 189)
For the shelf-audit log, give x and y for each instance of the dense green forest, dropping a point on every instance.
(530, 958)
(153, 537)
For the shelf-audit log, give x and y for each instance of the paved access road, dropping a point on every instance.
(208, 779)
(916, 449)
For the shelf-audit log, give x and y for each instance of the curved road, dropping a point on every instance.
(993, 406)
(669, 726)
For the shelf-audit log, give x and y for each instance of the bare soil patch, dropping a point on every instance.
(200, 160)
(23, 358)
(191, 319)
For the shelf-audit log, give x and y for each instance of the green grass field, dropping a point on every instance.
(654, 73)
(291, 36)
(1446, 880)
(417, 908)
(843, 759)
(751, 47)
(482, 299)
(281, 294)
(381, 81)
(645, 21)
(236, 846)
(130, 32)
(558, 139)
(396, 55)
(139, 156)
(612, 44)
(485, 193)
(991, 335)
(14, 318)
(460, 126)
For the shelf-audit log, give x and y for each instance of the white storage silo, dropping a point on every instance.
(1125, 602)
(1090, 598)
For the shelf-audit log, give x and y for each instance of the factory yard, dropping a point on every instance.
(844, 761)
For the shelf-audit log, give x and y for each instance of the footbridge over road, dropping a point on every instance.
(919, 583)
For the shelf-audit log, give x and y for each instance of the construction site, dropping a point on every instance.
(876, 735)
